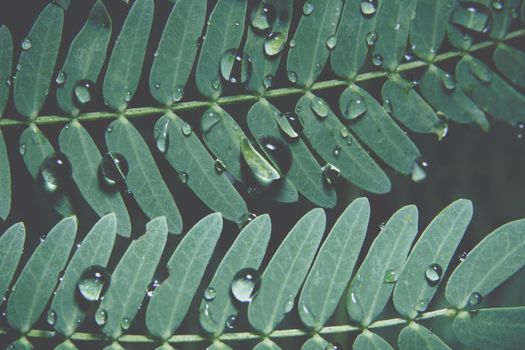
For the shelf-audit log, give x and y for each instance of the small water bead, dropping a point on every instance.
(26, 44)
(344, 132)
(292, 43)
(186, 129)
(288, 305)
(409, 55)
(56, 171)
(441, 129)
(278, 152)
(387, 106)
(157, 85)
(368, 7)
(22, 149)
(268, 81)
(292, 76)
(183, 177)
(93, 283)
(18, 67)
(114, 168)
(520, 130)
(178, 93)
(330, 174)
(497, 5)
(274, 43)
(462, 256)
(331, 42)
(337, 150)
(355, 107)
(474, 300)
(263, 16)
(161, 135)
(127, 95)
(236, 66)
(231, 322)
(51, 317)
(209, 293)
(371, 38)
(125, 323)
(245, 219)
(319, 107)
(219, 166)
(514, 13)
(245, 284)
(101, 317)
(421, 305)
(377, 60)
(83, 92)
(391, 276)
(418, 173)
(60, 78)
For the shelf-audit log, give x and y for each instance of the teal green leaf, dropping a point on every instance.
(35, 148)
(372, 285)
(66, 345)
(378, 131)
(436, 245)
(5, 180)
(224, 31)
(170, 302)
(411, 109)
(286, 271)
(314, 38)
(85, 58)
(316, 343)
(143, 179)
(84, 156)
(429, 27)
(187, 154)
(370, 341)
(11, 246)
(114, 346)
(351, 50)
(511, 63)
(131, 277)
(247, 251)
(264, 66)
(463, 17)
(489, 91)
(38, 279)
(20, 344)
(502, 19)
(392, 27)
(267, 344)
(497, 257)
(95, 249)
(37, 63)
(305, 172)
(500, 328)
(324, 135)
(454, 104)
(415, 336)
(125, 64)
(334, 265)
(6, 65)
(176, 51)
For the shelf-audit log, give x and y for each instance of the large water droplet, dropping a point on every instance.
(236, 66)
(330, 174)
(263, 172)
(101, 316)
(377, 60)
(371, 38)
(433, 274)
(354, 106)
(162, 133)
(274, 43)
(368, 7)
(125, 323)
(319, 107)
(51, 317)
(278, 152)
(231, 322)
(113, 168)
(391, 276)
(292, 76)
(83, 92)
(209, 294)
(186, 129)
(245, 284)
(263, 16)
(290, 124)
(26, 44)
(474, 300)
(308, 8)
(331, 42)
(93, 283)
(61, 78)
(55, 171)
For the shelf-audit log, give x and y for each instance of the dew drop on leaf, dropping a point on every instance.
(418, 172)
(354, 107)
(433, 274)
(83, 92)
(421, 305)
(22, 149)
(162, 135)
(337, 150)
(330, 174)
(263, 16)
(209, 120)
(245, 219)
(183, 177)
(178, 93)
(354, 307)
(290, 125)
(268, 81)
(474, 300)
(391, 276)
(462, 256)
(186, 129)
(368, 7)
(377, 60)
(371, 38)
(387, 106)
(331, 42)
(125, 323)
(448, 81)
(236, 66)
(263, 172)
(51, 317)
(245, 284)
(308, 8)
(219, 166)
(26, 44)
(114, 168)
(288, 305)
(292, 76)
(101, 316)
(319, 107)
(274, 43)
(60, 78)
(93, 283)
(209, 293)
(55, 171)
(231, 321)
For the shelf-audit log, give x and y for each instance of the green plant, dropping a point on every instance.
(225, 170)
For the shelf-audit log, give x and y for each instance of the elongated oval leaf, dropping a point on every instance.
(497, 257)
(36, 282)
(371, 287)
(11, 246)
(370, 341)
(334, 265)
(84, 156)
(171, 300)
(511, 63)
(6, 65)
(143, 179)
(286, 271)
(85, 58)
(176, 51)
(131, 278)
(125, 64)
(37, 62)
(246, 252)
(415, 336)
(95, 249)
(436, 245)
(5, 180)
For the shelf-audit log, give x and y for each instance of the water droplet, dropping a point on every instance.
(274, 43)
(354, 307)
(263, 172)
(93, 283)
(344, 132)
(474, 300)
(245, 284)
(319, 107)
(290, 124)
(387, 106)
(368, 7)
(333, 346)
(183, 177)
(127, 95)
(157, 85)
(101, 316)
(391, 276)
(520, 130)
(288, 305)
(245, 219)
(331, 42)
(337, 150)
(462, 256)
(433, 274)
(51, 317)
(26, 44)
(125, 323)
(206, 316)
(55, 171)
(209, 293)
(292, 43)
(209, 120)
(113, 168)
(398, 25)
(481, 71)
(382, 226)
(497, 5)
(22, 149)
(83, 92)
(418, 172)
(448, 81)
(215, 84)
(308, 8)
(354, 106)
(162, 135)
(263, 16)
(409, 55)
(231, 321)
(61, 78)
(292, 76)
(18, 67)
(178, 93)
(109, 129)
(268, 81)
(441, 130)
(371, 38)
(421, 305)
(330, 173)
(236, 66)
(186, 129)
(377, 60)
(219, 166)
(278, 152)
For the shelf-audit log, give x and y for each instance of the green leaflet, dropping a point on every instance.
(247, 251)
(415, 336)
(511, 63)
(286, 271)
(85, 58)
(334, 265)
(489, 91)
(314, 37)
(187, 154)
(499, 328)
(38, 279)
(267, 344)
(305, 172)
(372, 285)
(131, 278)
(264, 67)
(451, 100)
(5, 180)
(325, 135)
(37, 62)
(143, 179)
(379, 131)
(497, 257)
(316, 343)
(6, 66)
(223, 32)
(502, 19)
(80, 149)
(413, 292)
(411, 109)
(350, 53)
(463, 17)
(66, 345)
(370, 341)
(20, 344)
(176, 51)
(125, 64)
(428, 27)
(392, 27)
(114, 346)
(171, 300)
(95, 249)
(11, 246)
